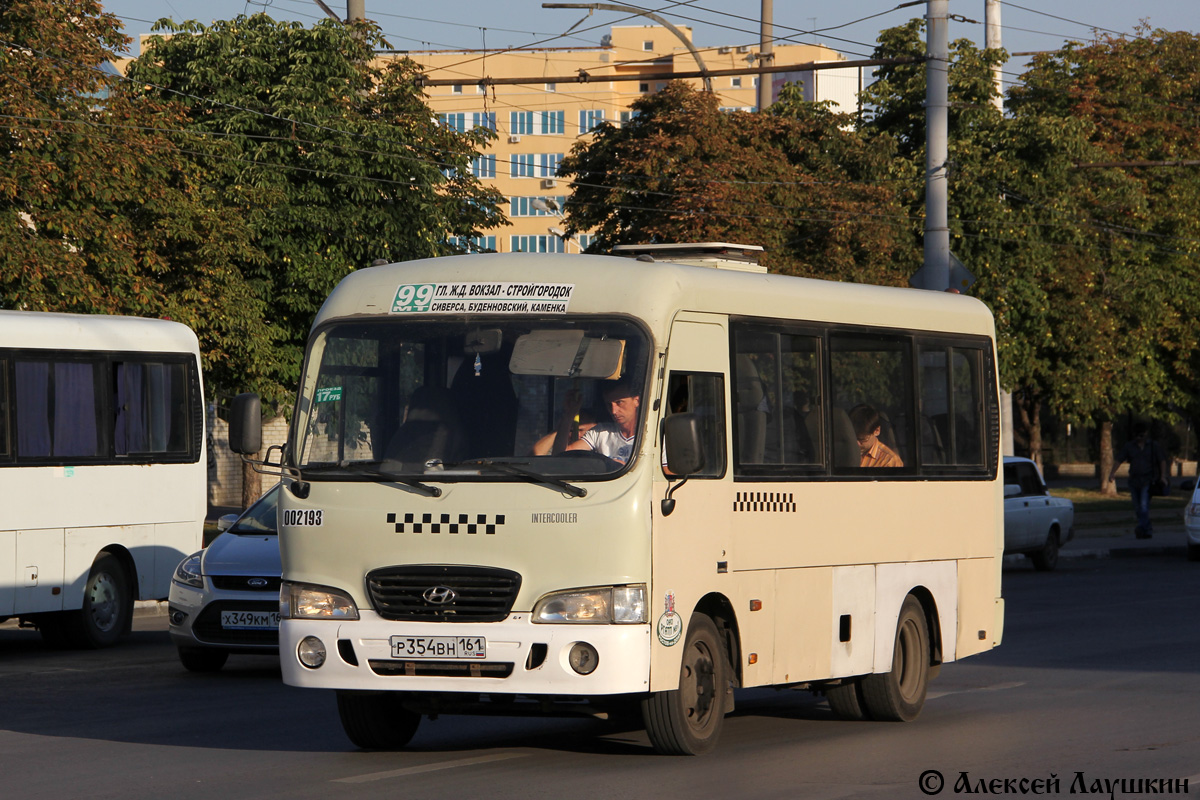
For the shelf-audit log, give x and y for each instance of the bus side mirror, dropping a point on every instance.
(245, 424)
(685, 455)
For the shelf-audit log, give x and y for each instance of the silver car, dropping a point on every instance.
(1035, 522)
(225, 598)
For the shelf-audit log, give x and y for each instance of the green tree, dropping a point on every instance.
(333, 159)
(100, 212)
(797, 181)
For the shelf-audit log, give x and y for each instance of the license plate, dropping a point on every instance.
(438, 647)
(250, 620)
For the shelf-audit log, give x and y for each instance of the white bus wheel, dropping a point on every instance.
(899, 695)
(688, 720)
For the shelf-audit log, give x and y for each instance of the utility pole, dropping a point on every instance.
(993, 41)
(936, 270)
(766, 53)
(356, 10)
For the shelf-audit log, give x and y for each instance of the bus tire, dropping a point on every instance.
(377, 720)
(688, 720)
(107, 606)
(202, 659)
(899, 695)
(846, 701)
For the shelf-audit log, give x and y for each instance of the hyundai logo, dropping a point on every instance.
(439, 595)
(257, 583)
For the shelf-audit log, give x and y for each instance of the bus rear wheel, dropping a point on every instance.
(846, 701)
(899, 695)
(377, 720)
(688, 720)
(105, 615)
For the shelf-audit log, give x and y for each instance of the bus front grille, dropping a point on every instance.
(442, 669)
(443, 593)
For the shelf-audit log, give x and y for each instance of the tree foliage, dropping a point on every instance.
(100, 212)
(797, 181)
(332, 160)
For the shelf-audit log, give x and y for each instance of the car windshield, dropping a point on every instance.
(466, 399)
(260, 517)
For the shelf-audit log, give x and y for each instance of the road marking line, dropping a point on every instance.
(995, 688)
(400, 773)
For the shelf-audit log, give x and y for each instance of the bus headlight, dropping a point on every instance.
(305, 601)
(598, 605)
(188, 572)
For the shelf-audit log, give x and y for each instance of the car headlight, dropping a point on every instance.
(599, 605)
(305, 601)
(1193, 510)
(188, 572)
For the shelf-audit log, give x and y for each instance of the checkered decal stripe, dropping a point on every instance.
(462, 523)
(783, 502)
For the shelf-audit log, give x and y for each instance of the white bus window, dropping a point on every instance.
(779, 427)
(702, 394)
(871, 383)
(152, 408)
(951, 406)
(56, 409)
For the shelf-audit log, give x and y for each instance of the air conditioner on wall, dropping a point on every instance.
(514, 138)
(548, 183)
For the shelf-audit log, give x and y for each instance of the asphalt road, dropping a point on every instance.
(1098, 680)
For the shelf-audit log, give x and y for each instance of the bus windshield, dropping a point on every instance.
(465, 399)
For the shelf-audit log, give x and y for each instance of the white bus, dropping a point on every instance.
(718, 530)
(103, 463)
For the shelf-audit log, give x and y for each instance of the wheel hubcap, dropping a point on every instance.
(698, 686)
(102, 602)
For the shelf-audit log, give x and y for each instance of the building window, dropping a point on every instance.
(484, 166)
(548, 164)
(628, 116)
(648, 46)
(520, 123)
(537, 244)
(456, 88)
(524, 206)
(484, 119)
(552, 123)
(736, 83)
(589, 119)
(643, 87)
(551, 87)
(474, 244)
(522, 165)
(584, 240)
(455, 122)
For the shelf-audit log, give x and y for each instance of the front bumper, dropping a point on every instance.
(522, 658)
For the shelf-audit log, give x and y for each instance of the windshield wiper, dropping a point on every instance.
(528, 474)
(360, 469)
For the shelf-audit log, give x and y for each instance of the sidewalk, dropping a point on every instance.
(1109, 534)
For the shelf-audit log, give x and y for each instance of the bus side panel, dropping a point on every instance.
(154, 574)
(84, 544)
(8, 572)
(893, 583)
(980, 617)
(803, 605)
(39, 563)
(853, 598)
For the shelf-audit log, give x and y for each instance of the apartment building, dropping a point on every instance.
(577, 89)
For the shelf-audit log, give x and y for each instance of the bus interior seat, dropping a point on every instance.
(431, 430)
(845, 443)
(752, 416)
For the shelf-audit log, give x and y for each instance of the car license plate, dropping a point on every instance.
(250, 620)
(438, 647)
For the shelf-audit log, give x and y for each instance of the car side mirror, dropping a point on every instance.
(1011, 490)
(245, 424)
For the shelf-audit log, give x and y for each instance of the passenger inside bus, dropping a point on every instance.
(867, 426)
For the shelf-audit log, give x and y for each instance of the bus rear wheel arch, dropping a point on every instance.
(106, 611)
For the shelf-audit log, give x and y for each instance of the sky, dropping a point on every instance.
(849, 26)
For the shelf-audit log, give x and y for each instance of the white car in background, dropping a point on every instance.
(1035, 523)
(225, 598)
(1191, 523)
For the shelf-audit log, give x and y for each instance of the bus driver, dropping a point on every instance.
(613, 439)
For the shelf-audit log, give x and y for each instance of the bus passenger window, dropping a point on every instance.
(871, 383)
(951, 405)
(702, 394)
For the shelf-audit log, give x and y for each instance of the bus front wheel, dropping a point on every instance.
(688, 720)
(899, 695)
(106, 611)
(377, 720)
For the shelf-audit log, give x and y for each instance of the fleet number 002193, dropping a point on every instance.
(438, 646)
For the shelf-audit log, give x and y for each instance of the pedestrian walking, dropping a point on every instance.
(1147, 470)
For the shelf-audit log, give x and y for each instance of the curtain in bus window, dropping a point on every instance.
(5, 420)
(151, 408)
(75, 432)
(33, 409)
